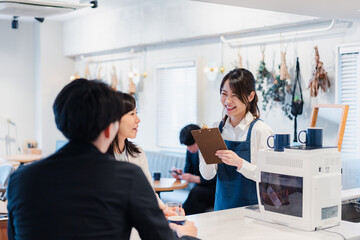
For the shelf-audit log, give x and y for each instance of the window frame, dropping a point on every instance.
(351, 48)
(186, 63)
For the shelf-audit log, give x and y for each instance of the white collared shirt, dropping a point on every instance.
(122, 156)
(259, 135)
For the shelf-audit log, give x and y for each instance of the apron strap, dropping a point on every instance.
(221, 126)
(248, 137)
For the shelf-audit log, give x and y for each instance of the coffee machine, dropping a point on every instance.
(300, 187)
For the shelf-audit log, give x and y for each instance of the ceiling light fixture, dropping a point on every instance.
(212, 70)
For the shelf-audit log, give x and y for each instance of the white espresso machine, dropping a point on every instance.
(300, 187)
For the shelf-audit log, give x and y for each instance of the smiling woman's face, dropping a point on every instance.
(128, 125)
(233, 106)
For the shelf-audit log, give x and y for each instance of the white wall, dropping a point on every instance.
(17, 80)
(53, 73)
(200, 19)
(160, 21)
(33, 69)
(209, 108)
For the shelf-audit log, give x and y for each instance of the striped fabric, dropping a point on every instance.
(164, 161)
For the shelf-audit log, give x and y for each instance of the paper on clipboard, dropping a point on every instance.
(209, 140)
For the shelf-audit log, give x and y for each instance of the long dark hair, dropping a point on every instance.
(242, 83)
(129, 104)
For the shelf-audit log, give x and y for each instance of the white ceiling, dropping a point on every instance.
(328, 9)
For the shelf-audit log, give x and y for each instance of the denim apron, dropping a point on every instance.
(232, 188)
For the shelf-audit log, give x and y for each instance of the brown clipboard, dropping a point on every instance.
(209, 140)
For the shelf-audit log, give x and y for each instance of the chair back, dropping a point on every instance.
(5, 171)
(60, 144)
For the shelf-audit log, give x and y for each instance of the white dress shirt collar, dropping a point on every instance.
(243, 123)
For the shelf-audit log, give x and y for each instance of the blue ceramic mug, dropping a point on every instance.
(281, 140)
(157, 176)
(314, 137)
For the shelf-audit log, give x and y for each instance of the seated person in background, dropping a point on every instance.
(81, 192)
(202, 196)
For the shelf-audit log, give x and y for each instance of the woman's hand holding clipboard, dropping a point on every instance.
(209, 140)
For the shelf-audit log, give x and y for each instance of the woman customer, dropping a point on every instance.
(124, 150)
(244, 134)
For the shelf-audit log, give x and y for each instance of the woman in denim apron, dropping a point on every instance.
(244, 135)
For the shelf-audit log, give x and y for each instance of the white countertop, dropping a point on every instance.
(232, 224)
(350, 194)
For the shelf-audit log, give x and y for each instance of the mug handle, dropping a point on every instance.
(272, 136)
(299, 136)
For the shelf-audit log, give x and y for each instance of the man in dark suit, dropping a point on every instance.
(80, 192)
(202, 195)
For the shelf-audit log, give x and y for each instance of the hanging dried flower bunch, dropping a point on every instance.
(87, 73)
(273, 89)
(320, 77)
(263, 75)
(99, 73)
(284, 74)
(114, 79)
(240, 61)
(132, 87)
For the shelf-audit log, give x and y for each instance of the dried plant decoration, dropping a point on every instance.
(240, 63)
(284, 73)
(263, 75)
(320, 77)
(132, 87)
(114, 79)
(87, 73)
(99, 70)
(272, 88)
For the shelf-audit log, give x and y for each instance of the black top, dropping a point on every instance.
(192, 166)
(81, 193)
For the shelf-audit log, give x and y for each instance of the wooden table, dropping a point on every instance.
(24, 158)
(3, 221)
(168, 184)
(15, 164)
(3, 228)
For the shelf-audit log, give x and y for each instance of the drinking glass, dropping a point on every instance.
(178, 216)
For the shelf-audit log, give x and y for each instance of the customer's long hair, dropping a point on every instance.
(242, 83)
(129, 104)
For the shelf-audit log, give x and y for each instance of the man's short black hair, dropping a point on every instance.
(185, 134)
(84, 108)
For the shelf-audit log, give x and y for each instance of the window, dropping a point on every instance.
(176, 101)
(348, 88)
